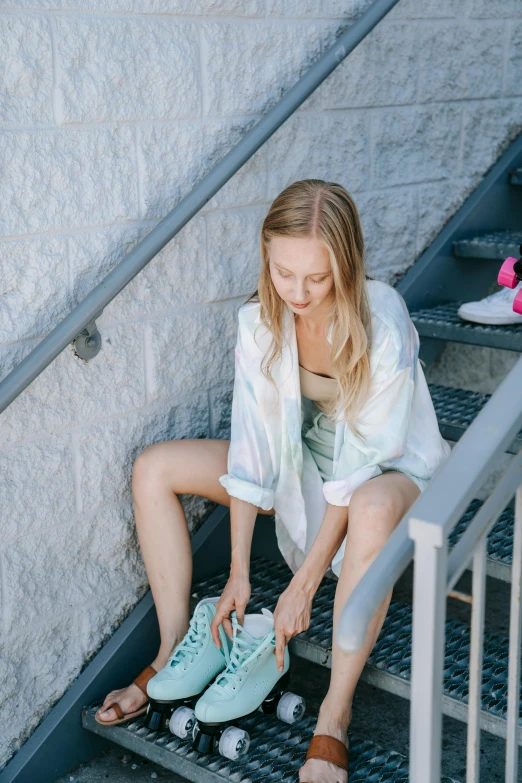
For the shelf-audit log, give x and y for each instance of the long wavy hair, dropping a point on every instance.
(313, 208)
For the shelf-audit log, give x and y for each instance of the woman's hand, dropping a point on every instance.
(236, 595)
(291, 616)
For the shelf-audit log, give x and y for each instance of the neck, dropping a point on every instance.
(313, 325)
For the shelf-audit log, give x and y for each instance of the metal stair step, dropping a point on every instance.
(500, 540)
(515, 178)
(456, 409)
(443, 323)
(388, 667)
(277, 751)
(494, 246)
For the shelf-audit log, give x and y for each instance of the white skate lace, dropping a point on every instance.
(191, 642)
(243, 645)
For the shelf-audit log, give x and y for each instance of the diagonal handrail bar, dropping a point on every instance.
(442, 503)
(484, 520)
(92, 305)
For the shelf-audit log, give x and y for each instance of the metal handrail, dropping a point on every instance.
(92, 305)
(442, 503)
(436, 571)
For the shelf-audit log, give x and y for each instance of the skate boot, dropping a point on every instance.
(250, 682)
(194, 663)
(497, 309)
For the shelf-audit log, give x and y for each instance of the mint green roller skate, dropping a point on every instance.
(194, 663)
(250, 682)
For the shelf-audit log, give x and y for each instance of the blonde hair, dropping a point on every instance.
(313, 208)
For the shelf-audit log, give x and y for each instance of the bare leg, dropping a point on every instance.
(161, 472)
(375, 510)
(165, 546)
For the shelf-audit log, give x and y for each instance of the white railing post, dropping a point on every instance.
(475, 661)
(515, 627)
(428, 638)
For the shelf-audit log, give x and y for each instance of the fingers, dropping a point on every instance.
(227, 625)
(222, 616)
(214, 629)
(280, 649)
(224, 608)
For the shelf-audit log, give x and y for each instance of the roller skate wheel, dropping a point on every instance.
(517, 304)
(182, 722)
(234, 743)
(291, 707)
(506, 275)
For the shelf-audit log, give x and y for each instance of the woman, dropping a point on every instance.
(333, 431)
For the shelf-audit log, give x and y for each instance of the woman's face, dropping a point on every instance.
(301, 273)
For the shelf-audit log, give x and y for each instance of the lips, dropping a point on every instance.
(296, 305)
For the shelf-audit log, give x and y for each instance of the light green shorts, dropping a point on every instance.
(318, 431)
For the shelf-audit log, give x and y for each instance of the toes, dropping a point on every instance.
(112, 697)
(107, 715)
(109, 699)
(129, 699)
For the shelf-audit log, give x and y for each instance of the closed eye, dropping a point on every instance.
(285, 277)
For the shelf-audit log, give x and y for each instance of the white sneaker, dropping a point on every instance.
(496, 308)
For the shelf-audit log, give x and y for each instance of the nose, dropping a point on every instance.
(300, 295)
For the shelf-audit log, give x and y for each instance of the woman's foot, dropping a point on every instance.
(319, 770)
(134, 696)
(130, 700)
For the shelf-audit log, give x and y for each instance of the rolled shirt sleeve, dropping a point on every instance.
(250, 475)
(385, 417)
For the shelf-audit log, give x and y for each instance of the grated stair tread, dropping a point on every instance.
(494, 246)
(457, 408)
(443, 323)
(277, 751)
(500, 537)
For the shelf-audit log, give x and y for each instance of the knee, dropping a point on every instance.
(373, 508)
(371, 522)
(149, 466)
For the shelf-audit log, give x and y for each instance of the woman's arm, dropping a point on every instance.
(327, 542)
(236, 593)
(250, 475)
(294, 607)
(250, 480)
(242, 520)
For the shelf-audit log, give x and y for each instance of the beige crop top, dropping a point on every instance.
(316, 387)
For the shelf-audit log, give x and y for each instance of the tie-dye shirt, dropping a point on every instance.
(265, 459)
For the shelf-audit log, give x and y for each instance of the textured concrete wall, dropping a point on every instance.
(110, 111)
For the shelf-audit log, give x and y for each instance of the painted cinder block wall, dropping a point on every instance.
(110, 111)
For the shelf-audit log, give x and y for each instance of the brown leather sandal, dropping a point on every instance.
(322, 746)
(141, 681)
